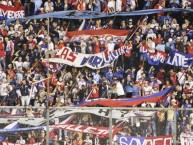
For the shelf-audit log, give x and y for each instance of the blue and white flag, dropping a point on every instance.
(180, 59)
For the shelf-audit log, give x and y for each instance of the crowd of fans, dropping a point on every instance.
(106, 6)
(23, 44)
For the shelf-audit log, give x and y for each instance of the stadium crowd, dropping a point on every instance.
(23, 44)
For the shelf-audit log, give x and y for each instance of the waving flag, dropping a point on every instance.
(9, 12)
(13, 125)
(127, 102)
(105, 34)
(94, 61)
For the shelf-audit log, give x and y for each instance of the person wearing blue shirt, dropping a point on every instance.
(129, 89)
(97, 5)
(118, 73)
(96, 76)
(38, 4)
(170, 46)
(136, 89)
(109, 74)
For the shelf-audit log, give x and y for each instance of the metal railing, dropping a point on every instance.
(97, 125)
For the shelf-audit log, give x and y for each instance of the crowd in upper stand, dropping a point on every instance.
(24, 43)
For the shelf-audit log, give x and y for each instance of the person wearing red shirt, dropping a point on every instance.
(158, 39)
(30, 139)
(3, 31)
(10, 71)
(173, 77)
(31, 43)
(2, 54)
(81, 5)
(17, 3)
(77, 140)
(96, 45)
(189, 48)
(60, 44)
(95, 91)
(54, 79)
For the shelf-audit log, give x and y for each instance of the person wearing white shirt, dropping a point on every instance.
(189, 81)
(83, 46)
(33, 92)
(17, 25)
(119, 89)
(18, 63)
(20, 140)
(50, 48)
(26, 64)
(118, 5)
(154, 24)
(5, 2)
(151, 44)
(3, 90)
(96, 76)
(151, 34)
(111, 45)
(80, 81)
(139, 74)
(111, 6)
(181, 76)
(38, 4)
(48, 6)
(88, 141)
(147, 89)
(2, 75)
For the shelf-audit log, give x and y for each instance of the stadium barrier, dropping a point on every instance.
(95, 126)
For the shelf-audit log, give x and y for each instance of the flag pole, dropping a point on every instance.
(48, 94)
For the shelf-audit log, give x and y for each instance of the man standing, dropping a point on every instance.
(25, 98)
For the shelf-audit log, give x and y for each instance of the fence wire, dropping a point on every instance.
(96, 126)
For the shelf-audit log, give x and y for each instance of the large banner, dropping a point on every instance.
(9, 12)
(180, 59)
(127, 102)
(116, 114)
(101, 131)
(153, 58)
(133, 140)
(105, 34)
(174, 58)
(94, 61)
(77, 15)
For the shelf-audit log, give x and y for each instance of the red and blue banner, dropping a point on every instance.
(9, 12)
(127, 102)
(180, 59)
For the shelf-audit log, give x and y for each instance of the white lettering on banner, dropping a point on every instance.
(166, 139)
(156, 57)
(178, 60)
(123, 141)
(136, 141)
(3, 13)
(67, 54)
(95, 61)
(85, 129)
(89, 130)
(150, 141)
(78, 128)
(12, 14)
